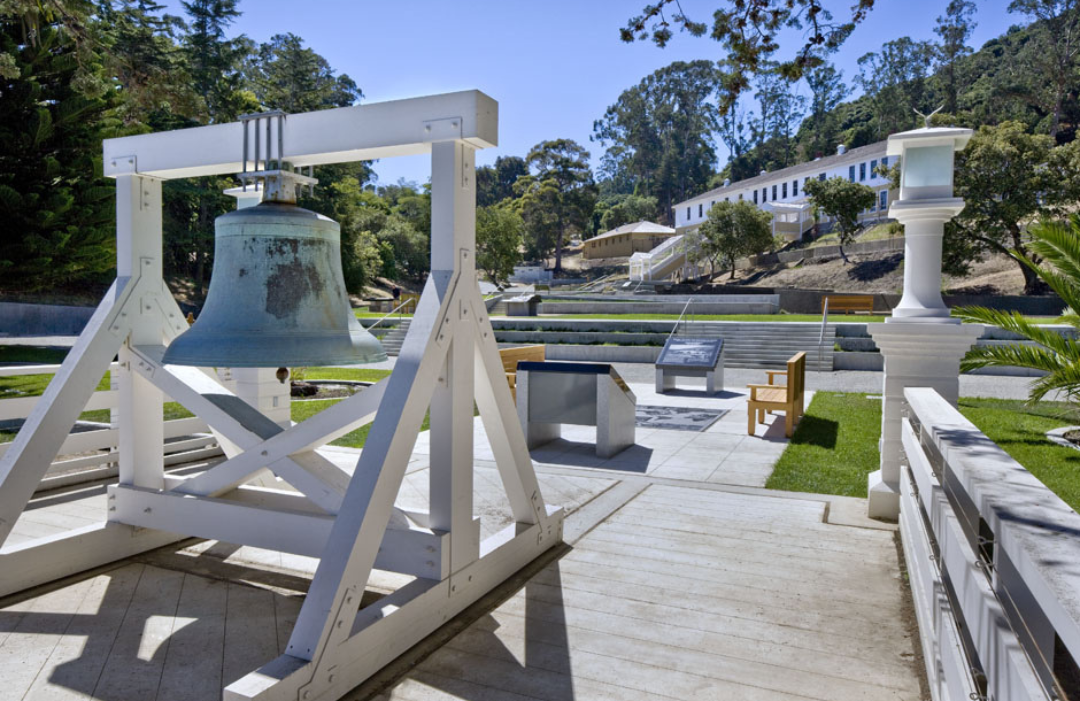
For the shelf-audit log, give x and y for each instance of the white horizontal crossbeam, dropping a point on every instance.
(343, 135)
(272, 520)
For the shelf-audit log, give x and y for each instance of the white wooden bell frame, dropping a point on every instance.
(449, 360)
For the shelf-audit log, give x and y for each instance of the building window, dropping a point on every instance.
(687, 214)
(755, 197)
(774, 192)
(873, 169)
(764, 194)
(884, 200)
(795, 187)
(713, 204)
(783, 191)
(821, 177)
(851, 173)
(701, 209)
(862, 171)
(884, 161)
(740, 195)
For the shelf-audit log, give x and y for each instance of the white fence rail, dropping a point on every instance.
(993, 558)
(88, 455)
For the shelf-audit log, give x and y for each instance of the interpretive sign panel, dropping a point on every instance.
(700, 353)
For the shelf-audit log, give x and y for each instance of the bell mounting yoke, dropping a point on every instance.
(280, 184)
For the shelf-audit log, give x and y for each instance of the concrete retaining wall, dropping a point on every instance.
(20, 319)
(604, 354)
(733, 307)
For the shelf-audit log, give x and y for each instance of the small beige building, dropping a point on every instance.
(626, 240)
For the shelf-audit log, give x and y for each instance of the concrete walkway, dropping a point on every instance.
(681, 579)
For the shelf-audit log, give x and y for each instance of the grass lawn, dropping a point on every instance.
(364, 314)
(835, 445)
(352, 374)
(304, 410)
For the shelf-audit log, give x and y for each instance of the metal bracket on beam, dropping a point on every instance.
(122, 165)
(447, 129)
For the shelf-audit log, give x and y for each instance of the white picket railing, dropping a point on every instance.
(993, 558)
(89, 455)
(643, 265)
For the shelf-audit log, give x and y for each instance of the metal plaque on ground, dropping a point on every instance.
(681, 352)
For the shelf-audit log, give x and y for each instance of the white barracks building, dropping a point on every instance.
(782, 192)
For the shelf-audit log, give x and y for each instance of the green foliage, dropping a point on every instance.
(731, 230)
(499, 237)
(286, 75)
(834, 448)
(1058, 245)
(617, 210)
(660, 133)
(1008, 177)
(843, 200)
(748, 30)
(894, 81)
(56, 207)
(496, 183)
(557, 197)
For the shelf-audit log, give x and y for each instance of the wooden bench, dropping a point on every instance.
(848, 304)
(512, 356)
(773, 397)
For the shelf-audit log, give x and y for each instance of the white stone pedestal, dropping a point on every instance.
(916, 355)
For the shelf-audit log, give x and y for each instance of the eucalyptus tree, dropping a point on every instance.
(894, 81)
(289, 76)
(659, 133)
(1055, 53)
(557, 197)
(954, 28)
(749, 32)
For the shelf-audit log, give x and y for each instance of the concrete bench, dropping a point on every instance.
(579, 394)
(773, 397)
(512, 356)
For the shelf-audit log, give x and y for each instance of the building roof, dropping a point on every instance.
(641, 227)
(856, 154)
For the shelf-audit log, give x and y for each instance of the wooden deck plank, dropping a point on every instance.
(133, 669)
(251, 638)
(192, 669)
(73, 669)
(662, 659)
(28, 648)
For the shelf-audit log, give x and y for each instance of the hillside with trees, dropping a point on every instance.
(74, 72)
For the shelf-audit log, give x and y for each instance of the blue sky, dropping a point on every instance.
(553, 65)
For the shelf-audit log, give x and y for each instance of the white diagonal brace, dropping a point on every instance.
(329, 424)
(50, 422)
(506, 436)
(313, 475)
(358, 530)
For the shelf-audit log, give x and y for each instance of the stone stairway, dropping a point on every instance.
(392, 339)
(499, 309)
(768, 345)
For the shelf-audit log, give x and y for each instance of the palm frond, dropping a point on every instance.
(1020, 324)
(1065, 380)
(1032, 357)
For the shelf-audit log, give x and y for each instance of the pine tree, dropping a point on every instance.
(56, 208)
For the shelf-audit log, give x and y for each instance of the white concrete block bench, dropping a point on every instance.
(580, 394)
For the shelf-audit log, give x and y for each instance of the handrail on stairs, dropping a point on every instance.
(821, 336)
(686, 306)
(391, 313)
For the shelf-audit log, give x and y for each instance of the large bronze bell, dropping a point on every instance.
(277, 296)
